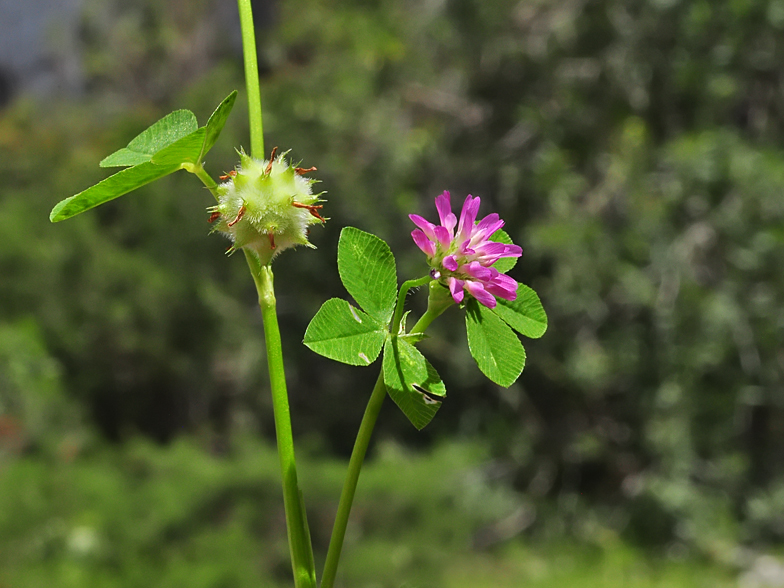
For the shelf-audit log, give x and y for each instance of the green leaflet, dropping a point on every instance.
(493, 345)
(172, 143)
(504, 264)
(524, 314)
(412, 382)
(185, 150)
(343, 333)
(216, 123)
(109, 189)
(170, 128)
(367, 270)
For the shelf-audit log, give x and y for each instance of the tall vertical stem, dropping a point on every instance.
(296, 520)
(300, 545)
(252, 79)
(350, 485)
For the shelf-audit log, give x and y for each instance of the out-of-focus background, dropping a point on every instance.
(635, 149)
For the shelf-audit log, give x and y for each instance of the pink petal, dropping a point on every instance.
(503, 286)
(513, 251)
(477, 270)
(444, 207)
(488, 225)
(468, 217)
(443, 235)
(464, 249)
(491, 248)
(490, 252)
(424, 224)
(450, 263)
(477, 290)
(421, 240)
(456, 288)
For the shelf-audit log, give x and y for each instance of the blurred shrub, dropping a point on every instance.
(179, 517)
(34, 412)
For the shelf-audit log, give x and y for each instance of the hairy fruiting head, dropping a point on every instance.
(266, 206)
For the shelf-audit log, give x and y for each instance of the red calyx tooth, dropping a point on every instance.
(240, 214)
(271, 159)
(311, 208)
(214, 216)
(302, 171)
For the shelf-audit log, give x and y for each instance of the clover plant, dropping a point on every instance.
(265, 206)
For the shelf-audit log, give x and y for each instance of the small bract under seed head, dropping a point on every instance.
(266, 206)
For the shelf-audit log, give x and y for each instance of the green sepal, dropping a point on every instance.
(367, 270)
(494, 346)
(525, 314)
(412, 382)
(344, 333)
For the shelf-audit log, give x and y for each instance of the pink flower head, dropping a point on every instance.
(462, 258)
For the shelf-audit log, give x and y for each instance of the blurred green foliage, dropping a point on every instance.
(634, 149)
(176, 516)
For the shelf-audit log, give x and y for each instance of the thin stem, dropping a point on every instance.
(300, 545)
(350, 485)
(401, 300)
(436, 304)
(252, 79)
(438, 301)
(296, 519)
(205, 178)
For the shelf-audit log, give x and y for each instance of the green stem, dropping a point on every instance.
(252, 79)
(438, 301)
(401, 300)
(300, 545)
(296, 518)
(205, 178)
(436, 304)
(350, 485)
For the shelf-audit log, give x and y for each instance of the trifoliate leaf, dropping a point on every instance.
(344, 333)
(412, 382)
(493, 345)
(174, 142)
(367, 270)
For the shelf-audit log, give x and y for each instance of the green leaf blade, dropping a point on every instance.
(343, 333)
(525, 314)
(184, 150)
(157, 136)
(367, 270)
(412, 382)
(109, 189)
(125, 158)
(494, 346)
(504, 264)
(216, 123)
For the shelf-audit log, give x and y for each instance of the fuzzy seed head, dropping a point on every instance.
(266, 206)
